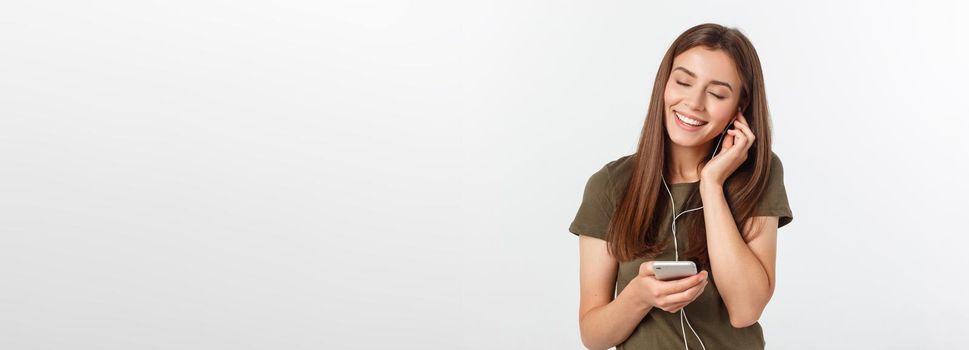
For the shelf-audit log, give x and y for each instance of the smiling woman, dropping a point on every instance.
(708, 84)
(698, 92)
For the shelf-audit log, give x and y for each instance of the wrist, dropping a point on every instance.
(710, 186)
(633, 294)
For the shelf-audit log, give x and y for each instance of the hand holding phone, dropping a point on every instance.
(672, 294)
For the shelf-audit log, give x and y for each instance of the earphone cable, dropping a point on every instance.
(676, 248)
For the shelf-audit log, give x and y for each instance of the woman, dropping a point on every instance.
(678, 198)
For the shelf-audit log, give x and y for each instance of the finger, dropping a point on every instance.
(688, 295)
(676, 286)
(676, 308)
(744, 140)
(737, 138)
(673, 306)
(745, 128)
(727, 141)
(744, 119)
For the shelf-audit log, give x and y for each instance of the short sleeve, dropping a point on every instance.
(596, 208)
(774, 200)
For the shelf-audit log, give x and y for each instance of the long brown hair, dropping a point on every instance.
(633, 231)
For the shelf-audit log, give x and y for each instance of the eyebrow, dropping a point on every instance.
(717, 82)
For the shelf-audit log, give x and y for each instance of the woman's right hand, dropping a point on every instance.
(670, 296)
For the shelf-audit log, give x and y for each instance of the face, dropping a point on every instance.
(704, 87)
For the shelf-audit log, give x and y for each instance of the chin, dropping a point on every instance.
(686, 138)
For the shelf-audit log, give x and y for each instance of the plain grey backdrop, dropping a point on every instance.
(396, 174)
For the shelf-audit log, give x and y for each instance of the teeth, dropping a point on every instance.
(689, 121)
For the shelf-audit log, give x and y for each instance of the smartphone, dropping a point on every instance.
(671, 270)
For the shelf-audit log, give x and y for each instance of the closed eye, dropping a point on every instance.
(714, 95)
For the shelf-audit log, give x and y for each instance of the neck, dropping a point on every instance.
(682, 162)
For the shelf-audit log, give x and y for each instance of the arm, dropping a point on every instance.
(743, 266)
(604, 322)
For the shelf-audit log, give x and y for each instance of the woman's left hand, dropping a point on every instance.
(733, 153)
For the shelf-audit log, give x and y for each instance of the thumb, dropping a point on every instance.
(646, 269)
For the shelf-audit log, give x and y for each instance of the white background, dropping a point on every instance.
(392, 174)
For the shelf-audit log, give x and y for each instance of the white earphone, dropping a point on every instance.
(676, 248)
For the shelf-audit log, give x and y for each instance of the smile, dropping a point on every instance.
(689, 121)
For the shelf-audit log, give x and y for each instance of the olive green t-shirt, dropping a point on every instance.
(708, 314)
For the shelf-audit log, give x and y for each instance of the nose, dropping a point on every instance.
(694, 99)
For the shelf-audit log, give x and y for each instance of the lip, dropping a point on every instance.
(684, 126)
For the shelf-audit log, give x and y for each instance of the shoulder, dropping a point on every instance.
(599, 200)
(610, 180)
(775, 161)
(774, 201)
(621, 163)
(776, 172)
(615, 171)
